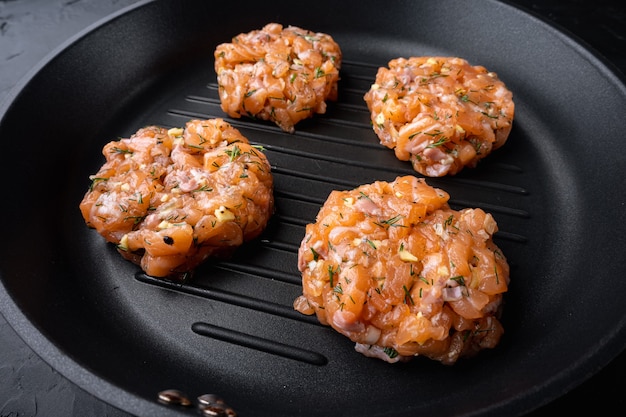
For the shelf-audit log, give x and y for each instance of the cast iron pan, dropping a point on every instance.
(555, 189)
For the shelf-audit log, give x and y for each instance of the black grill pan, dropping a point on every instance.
(555, 190)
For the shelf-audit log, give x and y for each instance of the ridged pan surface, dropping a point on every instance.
(555, 190)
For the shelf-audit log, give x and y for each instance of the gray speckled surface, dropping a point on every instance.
(30, 29)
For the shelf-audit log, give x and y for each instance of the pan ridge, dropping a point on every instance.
(229, 297)
(259, 343)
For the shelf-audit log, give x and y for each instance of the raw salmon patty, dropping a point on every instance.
(391, 266)
(279, 74)
(169, 199)
(440, 113)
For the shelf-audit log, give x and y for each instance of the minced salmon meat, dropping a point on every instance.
(391, 266)
(169, 199)
(440, 113)
(279, 74)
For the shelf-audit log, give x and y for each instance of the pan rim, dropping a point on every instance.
(122, 399)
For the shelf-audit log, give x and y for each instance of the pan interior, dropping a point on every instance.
(232, 330)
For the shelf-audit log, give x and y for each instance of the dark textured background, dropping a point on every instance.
(29, 29)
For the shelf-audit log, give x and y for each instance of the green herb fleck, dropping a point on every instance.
(459, 279)
(438, 143)
(233, 153)
(391, 352)
(407, 296)
(120, 150)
